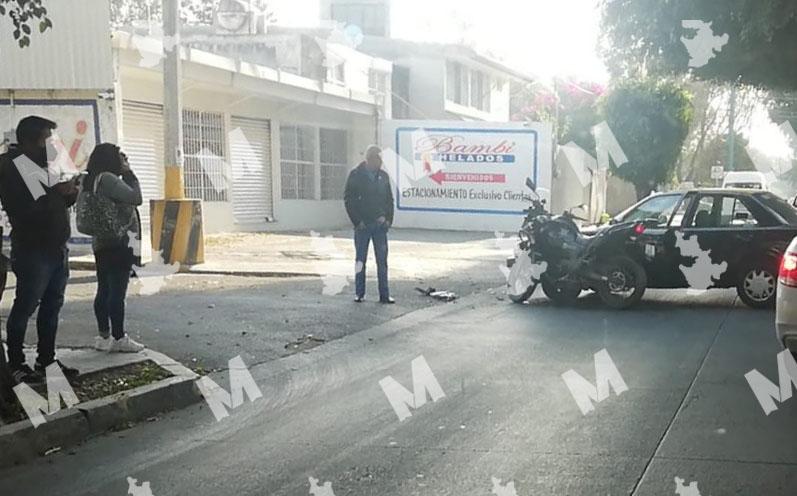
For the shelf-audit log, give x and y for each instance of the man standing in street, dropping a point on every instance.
(37, 207)
(369, 203)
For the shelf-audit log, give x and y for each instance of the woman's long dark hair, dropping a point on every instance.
(104, 158)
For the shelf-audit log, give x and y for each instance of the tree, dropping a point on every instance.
(716, 153)
(650, 120)
(711, 121)
(643, 37)
(23, 14)
(572, 106)
(124, 12)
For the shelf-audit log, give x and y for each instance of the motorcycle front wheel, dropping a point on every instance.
(625, 283)
(560, 292)
(520, 282)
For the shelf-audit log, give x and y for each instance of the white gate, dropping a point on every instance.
(142, 130)
(250, 158)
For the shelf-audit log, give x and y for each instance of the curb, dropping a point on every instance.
(85, 265)
(20, 442)
(81, 265)
(252, 273)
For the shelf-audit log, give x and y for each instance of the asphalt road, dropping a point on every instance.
(202, 321)
(506, 414)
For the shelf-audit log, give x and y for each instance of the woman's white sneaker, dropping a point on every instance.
(125, 345)
(102, 344)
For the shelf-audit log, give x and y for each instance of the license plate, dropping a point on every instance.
(650, 250)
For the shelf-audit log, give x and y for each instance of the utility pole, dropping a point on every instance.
(176, 222)
(731, 130)
(172, 102)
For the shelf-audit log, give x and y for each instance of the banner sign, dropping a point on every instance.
(468, 169)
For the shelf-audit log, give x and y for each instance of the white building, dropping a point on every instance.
(431, 81)
(268, 142)
(266, 148)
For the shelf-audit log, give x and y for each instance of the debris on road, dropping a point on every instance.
(304, 343)
(446, 296)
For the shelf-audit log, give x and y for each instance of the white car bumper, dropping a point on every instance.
(786, 316)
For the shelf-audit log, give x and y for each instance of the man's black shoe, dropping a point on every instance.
(387, 301)
(69, 372)
(24, 374)
(359, 299)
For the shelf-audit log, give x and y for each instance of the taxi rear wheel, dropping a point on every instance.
(757, 286)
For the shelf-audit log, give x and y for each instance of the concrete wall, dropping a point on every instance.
(145, 86)
(620, 195)
(427, 87)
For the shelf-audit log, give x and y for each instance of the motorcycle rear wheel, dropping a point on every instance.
(625, 285)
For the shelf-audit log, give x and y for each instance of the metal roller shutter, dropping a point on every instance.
(250, 157)
(142, 130)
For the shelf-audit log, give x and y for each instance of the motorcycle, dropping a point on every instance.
(553, 253)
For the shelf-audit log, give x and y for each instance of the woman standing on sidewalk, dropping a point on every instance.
(107, 209)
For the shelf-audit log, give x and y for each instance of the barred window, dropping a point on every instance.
(297, 162)
(334, 157)
(205, 172)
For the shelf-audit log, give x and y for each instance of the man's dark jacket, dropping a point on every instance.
(368, 199)
(41, 224)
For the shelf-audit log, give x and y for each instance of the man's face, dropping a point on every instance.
(44, 138)
(374, 160)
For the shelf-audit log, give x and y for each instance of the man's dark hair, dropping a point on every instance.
(30, 129)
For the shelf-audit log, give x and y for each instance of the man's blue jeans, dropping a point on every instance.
(362, 238)
(41, 282)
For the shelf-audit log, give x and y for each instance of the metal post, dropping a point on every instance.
(176, 222)
(172, 102)
(731, 130)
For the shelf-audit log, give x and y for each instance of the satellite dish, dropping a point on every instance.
(232, 16)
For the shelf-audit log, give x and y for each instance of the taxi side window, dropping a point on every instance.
(736, 214)
(705, 214)
(659, 208)
(680, 213)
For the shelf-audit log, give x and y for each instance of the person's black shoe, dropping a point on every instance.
(69, 372)
(24, 374)
(359, 299)
(387, 301)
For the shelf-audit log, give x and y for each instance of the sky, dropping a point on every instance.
(543, 38)
(540, 37)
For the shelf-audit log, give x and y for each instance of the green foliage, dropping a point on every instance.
(643, 37)
(124, 12)
(716, 153)
(24, 14)
(572, 107)
(650, 120)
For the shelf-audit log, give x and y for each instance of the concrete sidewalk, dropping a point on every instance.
(22, 441)
(414, 254)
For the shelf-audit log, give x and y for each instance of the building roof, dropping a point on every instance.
(144, 53)
(392, 48)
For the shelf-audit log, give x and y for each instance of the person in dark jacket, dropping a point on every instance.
(369, 203)
(36, 201)
(110, 176)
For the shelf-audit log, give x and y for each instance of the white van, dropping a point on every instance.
(745, 179)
